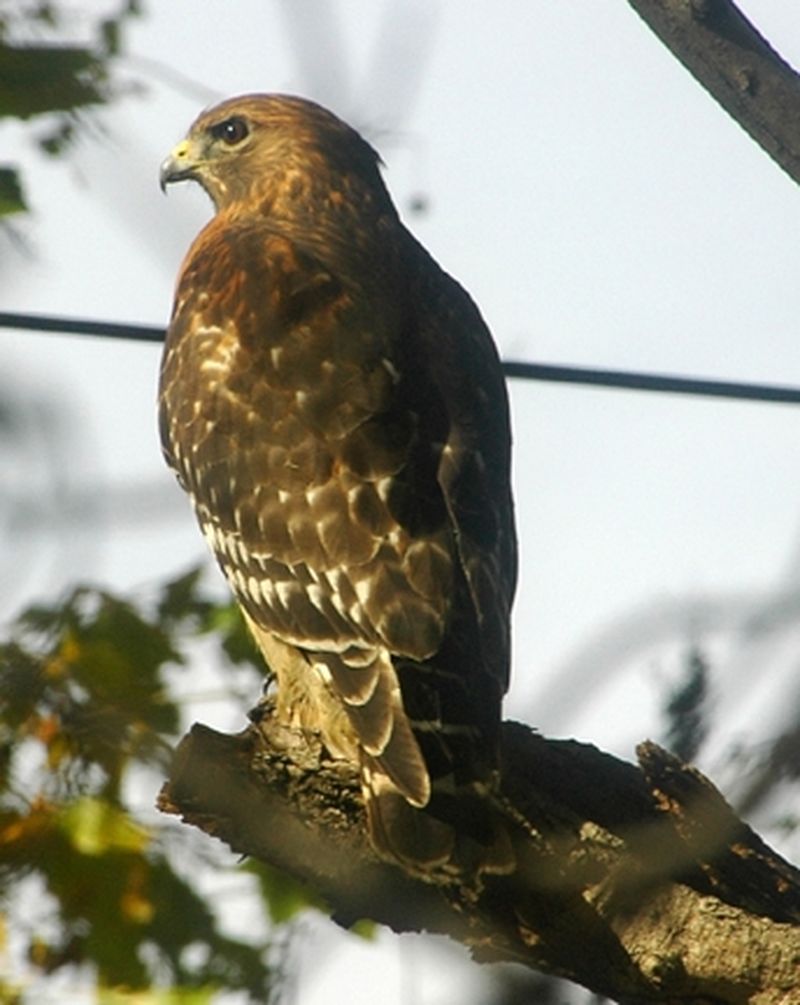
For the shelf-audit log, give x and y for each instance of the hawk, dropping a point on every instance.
(333, 404)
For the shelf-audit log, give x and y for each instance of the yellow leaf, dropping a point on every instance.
(134, 903)
(95, 827)
(136, 907)
(24, 829)
(171, 996)
(38, 951)
(58, 750)
(68, 652)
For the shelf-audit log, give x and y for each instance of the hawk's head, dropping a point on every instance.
(267, 146)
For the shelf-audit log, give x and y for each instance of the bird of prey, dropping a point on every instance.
(333, 403)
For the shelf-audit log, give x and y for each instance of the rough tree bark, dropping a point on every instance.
(639, 883)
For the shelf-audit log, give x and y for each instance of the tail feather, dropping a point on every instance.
(399, 831)
(465, 836)
(383, 730)
(427, 766)
(426, 778)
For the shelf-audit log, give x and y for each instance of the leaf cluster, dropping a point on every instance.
(85, 705)
(44, 74)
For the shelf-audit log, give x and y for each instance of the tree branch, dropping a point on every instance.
(639, 883)
(737, 66)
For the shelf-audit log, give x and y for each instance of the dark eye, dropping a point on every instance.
(231, 131)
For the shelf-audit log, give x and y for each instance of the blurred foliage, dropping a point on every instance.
(43, 73)
(85, 702)
(773, 764)
(284, 896)
(517, 985)
(11, 198)
(686, 708)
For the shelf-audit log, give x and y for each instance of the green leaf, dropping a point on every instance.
(283, 895)
(170, 996)
(365, 928)
(94, 827)
(119, 657)
(11, 197)
(181, 599)
(35, 79)
(58, 79)
(11, 994)
(227, 623)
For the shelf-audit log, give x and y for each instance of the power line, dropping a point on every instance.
(81, 326)
(587, 376)
(634, 381)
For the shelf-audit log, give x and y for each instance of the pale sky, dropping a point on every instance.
(602, 211)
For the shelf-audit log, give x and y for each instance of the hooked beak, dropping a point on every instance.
(181, 165)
